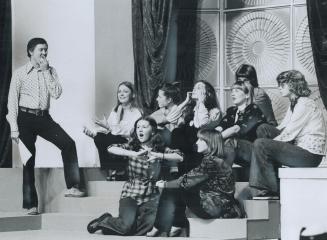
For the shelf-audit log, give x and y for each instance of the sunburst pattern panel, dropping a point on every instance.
(303, 46)
(262, 40)
(205, 50)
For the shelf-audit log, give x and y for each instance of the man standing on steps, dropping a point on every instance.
(31, 87)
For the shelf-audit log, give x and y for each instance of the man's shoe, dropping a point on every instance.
(32, 211)
(175, 231)
(74, 192)
(156, 233)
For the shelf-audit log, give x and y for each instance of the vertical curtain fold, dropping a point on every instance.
(5, 76)
(150, 24)
(317, 18)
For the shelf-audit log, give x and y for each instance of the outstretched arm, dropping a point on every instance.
(125, 152)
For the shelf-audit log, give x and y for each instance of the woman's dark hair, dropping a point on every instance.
(214, 140)
(171, 91)
(246, 88)
(211, 100)
(156, 141)
(32, 44)
(296, 82)
(247, 71)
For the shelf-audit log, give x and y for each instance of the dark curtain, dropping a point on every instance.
(317, 17)
(150, 23)
(5, 76)
(187, 19)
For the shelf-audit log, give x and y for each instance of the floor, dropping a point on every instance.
(66, 235)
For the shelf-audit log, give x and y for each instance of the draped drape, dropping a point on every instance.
(150, 24)
(5, 75)
(317, 17)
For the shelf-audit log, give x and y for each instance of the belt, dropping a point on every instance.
(37, 112)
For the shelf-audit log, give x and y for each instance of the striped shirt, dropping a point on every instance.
(31, 88)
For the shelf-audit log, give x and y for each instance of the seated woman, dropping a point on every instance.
(299, 141)
(205, 112)
(240, 124)
(169, 113)
(248, 74)
(116, 129)
(139, 198)
(208, 190)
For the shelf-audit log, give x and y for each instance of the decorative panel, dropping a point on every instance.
(198, 4)
(303, 59)
(204, 52)
(259, 38)
(230, 4)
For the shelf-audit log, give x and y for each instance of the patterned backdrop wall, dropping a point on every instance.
(272, 35)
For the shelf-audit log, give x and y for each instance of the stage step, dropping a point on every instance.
(269, 228)
(13, 221)
(218, 228)
(104, 188)
(86, 205)
(71, 235)
(66, 221)
(73, 214)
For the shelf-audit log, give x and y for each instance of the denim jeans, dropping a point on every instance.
(171, 210)
(30, 126)
(133, 219)
(238, 151)
(268, 155)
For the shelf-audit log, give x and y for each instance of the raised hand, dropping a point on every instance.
(44, 64)
(154, 155)
(102, 122)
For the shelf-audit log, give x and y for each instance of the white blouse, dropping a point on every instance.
(305, 126)
(125, 126)
(171, 116)
(202, 116)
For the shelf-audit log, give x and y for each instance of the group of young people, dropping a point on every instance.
(179, 156)
(182, 154)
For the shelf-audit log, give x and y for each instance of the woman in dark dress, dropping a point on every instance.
(208, 190)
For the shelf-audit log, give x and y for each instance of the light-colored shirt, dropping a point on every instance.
(204, 116)
(171, 116)
(125, 126)
(31, 88)
(305, 126)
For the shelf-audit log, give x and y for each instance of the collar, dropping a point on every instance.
(29, 67)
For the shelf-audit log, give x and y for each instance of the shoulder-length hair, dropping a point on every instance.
(214, 141)
(211, 100)
(296, 82)
(246, 88)
(132, 99)
(247, 71)
(156, 141)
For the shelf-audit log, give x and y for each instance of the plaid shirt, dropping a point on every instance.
(142, 177)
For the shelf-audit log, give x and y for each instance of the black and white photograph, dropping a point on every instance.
(141, 119)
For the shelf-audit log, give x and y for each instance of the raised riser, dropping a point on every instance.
(218, 228)
(73, 214)
(19, 223)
